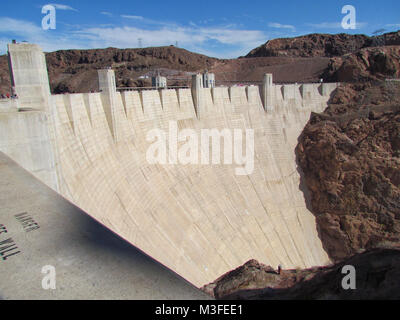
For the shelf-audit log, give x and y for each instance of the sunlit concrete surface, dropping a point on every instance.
(90, 261)
(199, 220)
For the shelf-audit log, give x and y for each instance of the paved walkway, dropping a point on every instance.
(40, 228)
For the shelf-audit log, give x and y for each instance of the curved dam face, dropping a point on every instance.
(200, 220)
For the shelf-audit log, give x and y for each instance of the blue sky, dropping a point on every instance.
(224, 29)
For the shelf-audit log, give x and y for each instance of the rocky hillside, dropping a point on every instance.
(76, 70)
(350, 156)
(284, 69)
(365, 65)
(377, 277)
(308, 58)
(322, 45)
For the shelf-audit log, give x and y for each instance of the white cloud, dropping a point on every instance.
(127, 36)
(326, 25)
(281, 26)
(188, 37)
(222, 41)
(334, 25)
(146, 21)
(106, 13)
(231, 36)
(127, 16)
(22, 30)
(393, 25)
(19, 27)
(59, 6)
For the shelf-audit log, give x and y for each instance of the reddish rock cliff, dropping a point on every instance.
(367, 64)
(350, 156)
(322, 45)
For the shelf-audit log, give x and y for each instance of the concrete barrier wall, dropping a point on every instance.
(25, 138)
(200, 221)
(8, 105)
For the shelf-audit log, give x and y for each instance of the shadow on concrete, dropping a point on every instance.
(303, 185)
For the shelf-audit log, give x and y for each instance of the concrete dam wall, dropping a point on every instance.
(199, 220)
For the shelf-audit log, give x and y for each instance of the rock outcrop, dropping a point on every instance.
(350, 156)
(365, 65)
(322, 45)
(377, 277)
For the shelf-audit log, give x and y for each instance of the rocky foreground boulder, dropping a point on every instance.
(377, 277)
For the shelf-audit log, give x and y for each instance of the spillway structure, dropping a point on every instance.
(199, 220)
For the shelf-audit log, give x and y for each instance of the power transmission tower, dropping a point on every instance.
(140, 43)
